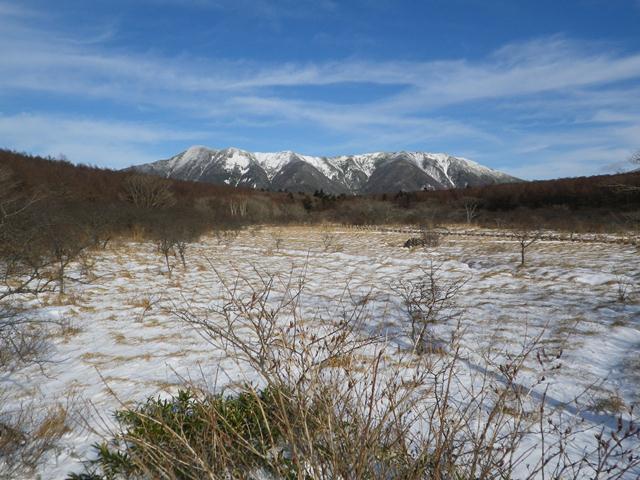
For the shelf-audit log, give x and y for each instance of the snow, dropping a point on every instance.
(325, 166)
(273, 162)
(237, 159)
(435, 164)
(366, 162)
(196, 153)
(131, 345)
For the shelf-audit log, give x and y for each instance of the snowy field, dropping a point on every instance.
(121, 343)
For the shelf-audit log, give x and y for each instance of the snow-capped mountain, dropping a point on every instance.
(380, 172)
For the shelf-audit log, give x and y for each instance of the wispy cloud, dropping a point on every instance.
(523, 87)
(104, 143)
(12, 10)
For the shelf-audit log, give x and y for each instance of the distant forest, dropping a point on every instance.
(58, 199)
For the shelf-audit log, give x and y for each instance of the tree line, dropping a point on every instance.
(102, 203)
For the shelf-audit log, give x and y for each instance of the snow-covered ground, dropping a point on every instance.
(122, 343)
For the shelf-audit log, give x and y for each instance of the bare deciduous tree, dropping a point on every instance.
(238, 207)
(21, 264)
(64, 243)
(471, 206)
(26, 432)
(12, 202)
(635, 158)
(526, 238)
(147, 191)
(428, 300)
(166, 245)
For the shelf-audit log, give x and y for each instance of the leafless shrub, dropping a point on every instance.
(624, 287)
(427, 300)
(181, 249)
(99, 229)
(350, 411)
(148, 191)
(27, 267)
(22, 340)
(26, 434)
(430, 237)
(226, 237)
(634, 159)
(22, 261)
(166, 247)
(329, 240)
(172, 240)
(277, 239)
(87, 263)
(64, 244)
(413, 242)
(526, 238)
(471, 206)
(12, 202)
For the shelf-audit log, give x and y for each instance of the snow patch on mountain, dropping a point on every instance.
(344, 174)
(237, 159)
(272, 162)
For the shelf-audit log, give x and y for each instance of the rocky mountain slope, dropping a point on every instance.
(350, 174)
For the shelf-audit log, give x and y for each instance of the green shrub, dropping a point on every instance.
(192, 436)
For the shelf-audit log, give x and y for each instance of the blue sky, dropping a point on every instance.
(539, 89)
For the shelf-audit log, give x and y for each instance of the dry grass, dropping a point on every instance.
(341, 405)
(125, 274)
(27, 434)
(521, 291)
(120, 338)
(612, 403)
(93, 356)
(621, 321)
(131, 358)
(68, 331)
(60, 300)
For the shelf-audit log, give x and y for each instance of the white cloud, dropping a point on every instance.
(577, 162)
(526, 88)
(515, 70)
(104, 143)
(13, 10)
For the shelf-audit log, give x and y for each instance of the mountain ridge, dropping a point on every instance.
(377, 172)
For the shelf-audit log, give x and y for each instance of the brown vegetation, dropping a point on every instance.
(104, 203)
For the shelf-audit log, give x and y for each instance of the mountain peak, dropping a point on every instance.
(378, 172)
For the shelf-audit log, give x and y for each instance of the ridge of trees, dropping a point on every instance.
(127, 202)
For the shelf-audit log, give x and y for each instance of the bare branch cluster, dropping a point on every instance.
(471, 208)
(330, 401)
(526, 238)
(32, 256)
(147, 191)
(428, 300)
(27, 433)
